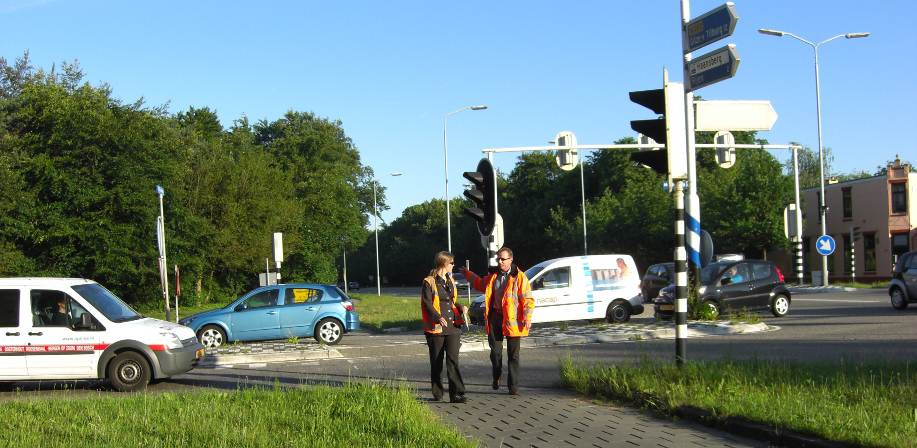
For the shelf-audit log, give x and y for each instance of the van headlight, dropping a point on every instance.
(172, 340)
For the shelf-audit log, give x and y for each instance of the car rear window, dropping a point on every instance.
(761, 271)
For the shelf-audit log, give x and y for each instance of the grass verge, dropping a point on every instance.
(865, 404)
(354, 415)
(380, 312)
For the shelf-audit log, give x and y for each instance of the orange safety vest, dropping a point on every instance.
(433, 326)
(517, 301)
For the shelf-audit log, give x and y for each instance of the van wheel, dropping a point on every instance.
(212, 336)
(618, 312)
(129, 372)
(897, 298)
(329, 331)
(780, 305)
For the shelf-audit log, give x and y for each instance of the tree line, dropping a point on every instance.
(78, 170)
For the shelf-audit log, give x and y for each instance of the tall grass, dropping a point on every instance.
(867, 404)
(380, 312)
(355, 415)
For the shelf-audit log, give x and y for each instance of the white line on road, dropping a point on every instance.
(837, 300)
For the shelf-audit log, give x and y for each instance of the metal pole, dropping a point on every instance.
(797, 243)
(693, 218)
(446, 167)
(582, 185)
(853, 270)
(163, 265)
(821, 170)
(376, 228)
(345, 270)
(681, 276)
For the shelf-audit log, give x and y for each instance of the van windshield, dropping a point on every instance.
(107, 303)
(533, 271)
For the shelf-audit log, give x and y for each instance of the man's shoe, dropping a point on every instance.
(439, 398)
(459, 399)
(513, 391)
(496, 384)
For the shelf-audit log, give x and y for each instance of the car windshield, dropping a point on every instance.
(711, 273)
(533, 271)
(113, 308)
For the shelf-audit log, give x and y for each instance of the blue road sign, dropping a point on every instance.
(825, 245)
(712, 67)
(716, 24)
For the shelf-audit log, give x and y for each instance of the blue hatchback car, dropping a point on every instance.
(278, 312)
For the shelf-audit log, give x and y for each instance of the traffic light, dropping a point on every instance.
(484, 195)
(668, 129)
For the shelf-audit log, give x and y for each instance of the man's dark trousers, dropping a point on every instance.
(445, 347)
(495, 340)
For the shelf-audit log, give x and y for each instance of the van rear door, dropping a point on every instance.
(12, 339)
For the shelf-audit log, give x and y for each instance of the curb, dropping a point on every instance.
(211, 361)
(755, 430)
(820, 289)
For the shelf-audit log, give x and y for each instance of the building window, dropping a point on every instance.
(899, 246)
(869, 252)
(847, 253)
(848, 203)
(899, 197)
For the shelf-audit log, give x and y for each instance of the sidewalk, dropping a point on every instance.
(559, 418)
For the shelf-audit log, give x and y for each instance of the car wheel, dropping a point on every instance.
(897, 298)
(212, 336)
(712, 308)
(618, 312)
(780, 305)
(329, 331)
(129, 372)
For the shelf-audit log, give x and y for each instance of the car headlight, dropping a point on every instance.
(701, 290)
(172, 340)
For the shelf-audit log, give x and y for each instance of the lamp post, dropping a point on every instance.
(823, 208)
(376, 229)
(446, 167)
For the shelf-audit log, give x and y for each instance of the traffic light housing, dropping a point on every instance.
(483, 193)
(668, 129)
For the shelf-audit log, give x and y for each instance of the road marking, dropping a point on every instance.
(837, 300)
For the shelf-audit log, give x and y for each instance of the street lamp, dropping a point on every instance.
(446, 166)
(821, 149)
(376, 228)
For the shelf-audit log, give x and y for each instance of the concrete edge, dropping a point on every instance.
(211, 361)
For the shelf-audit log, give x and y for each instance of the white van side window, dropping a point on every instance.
(50, 308)
(9, 307)
(555, 278)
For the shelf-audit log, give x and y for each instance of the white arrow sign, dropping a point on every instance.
(734, 115)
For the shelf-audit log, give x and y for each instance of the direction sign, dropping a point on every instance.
(716, 24)
(712, 67)
(734, 115)
(825, 245)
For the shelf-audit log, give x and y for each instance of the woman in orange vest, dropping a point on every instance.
(508, 306)
(442, 317)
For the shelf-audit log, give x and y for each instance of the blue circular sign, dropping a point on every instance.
(825, 245)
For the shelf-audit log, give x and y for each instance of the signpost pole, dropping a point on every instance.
(692, 223)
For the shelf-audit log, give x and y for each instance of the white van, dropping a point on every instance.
(69, 328)
(585, 287)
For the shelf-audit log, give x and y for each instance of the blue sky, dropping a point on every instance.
(391, 70)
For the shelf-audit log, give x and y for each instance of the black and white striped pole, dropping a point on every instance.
(681, 276)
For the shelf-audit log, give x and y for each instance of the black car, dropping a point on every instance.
(730, 285)
(903, 288)
(657, 276)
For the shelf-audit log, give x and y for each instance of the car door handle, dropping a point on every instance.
(35, 334)
(310, 308)
(11, 333)
(271, 313)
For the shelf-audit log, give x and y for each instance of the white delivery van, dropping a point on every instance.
(585, 287)
(68, 328)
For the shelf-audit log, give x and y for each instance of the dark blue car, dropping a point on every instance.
(279, 312)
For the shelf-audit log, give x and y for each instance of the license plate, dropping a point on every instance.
(199, 353)
(666, 307)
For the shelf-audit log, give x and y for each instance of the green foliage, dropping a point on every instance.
(77, 176)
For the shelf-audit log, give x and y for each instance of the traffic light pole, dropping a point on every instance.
(681, 276)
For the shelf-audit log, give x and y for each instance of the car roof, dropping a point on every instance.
(43, 281)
